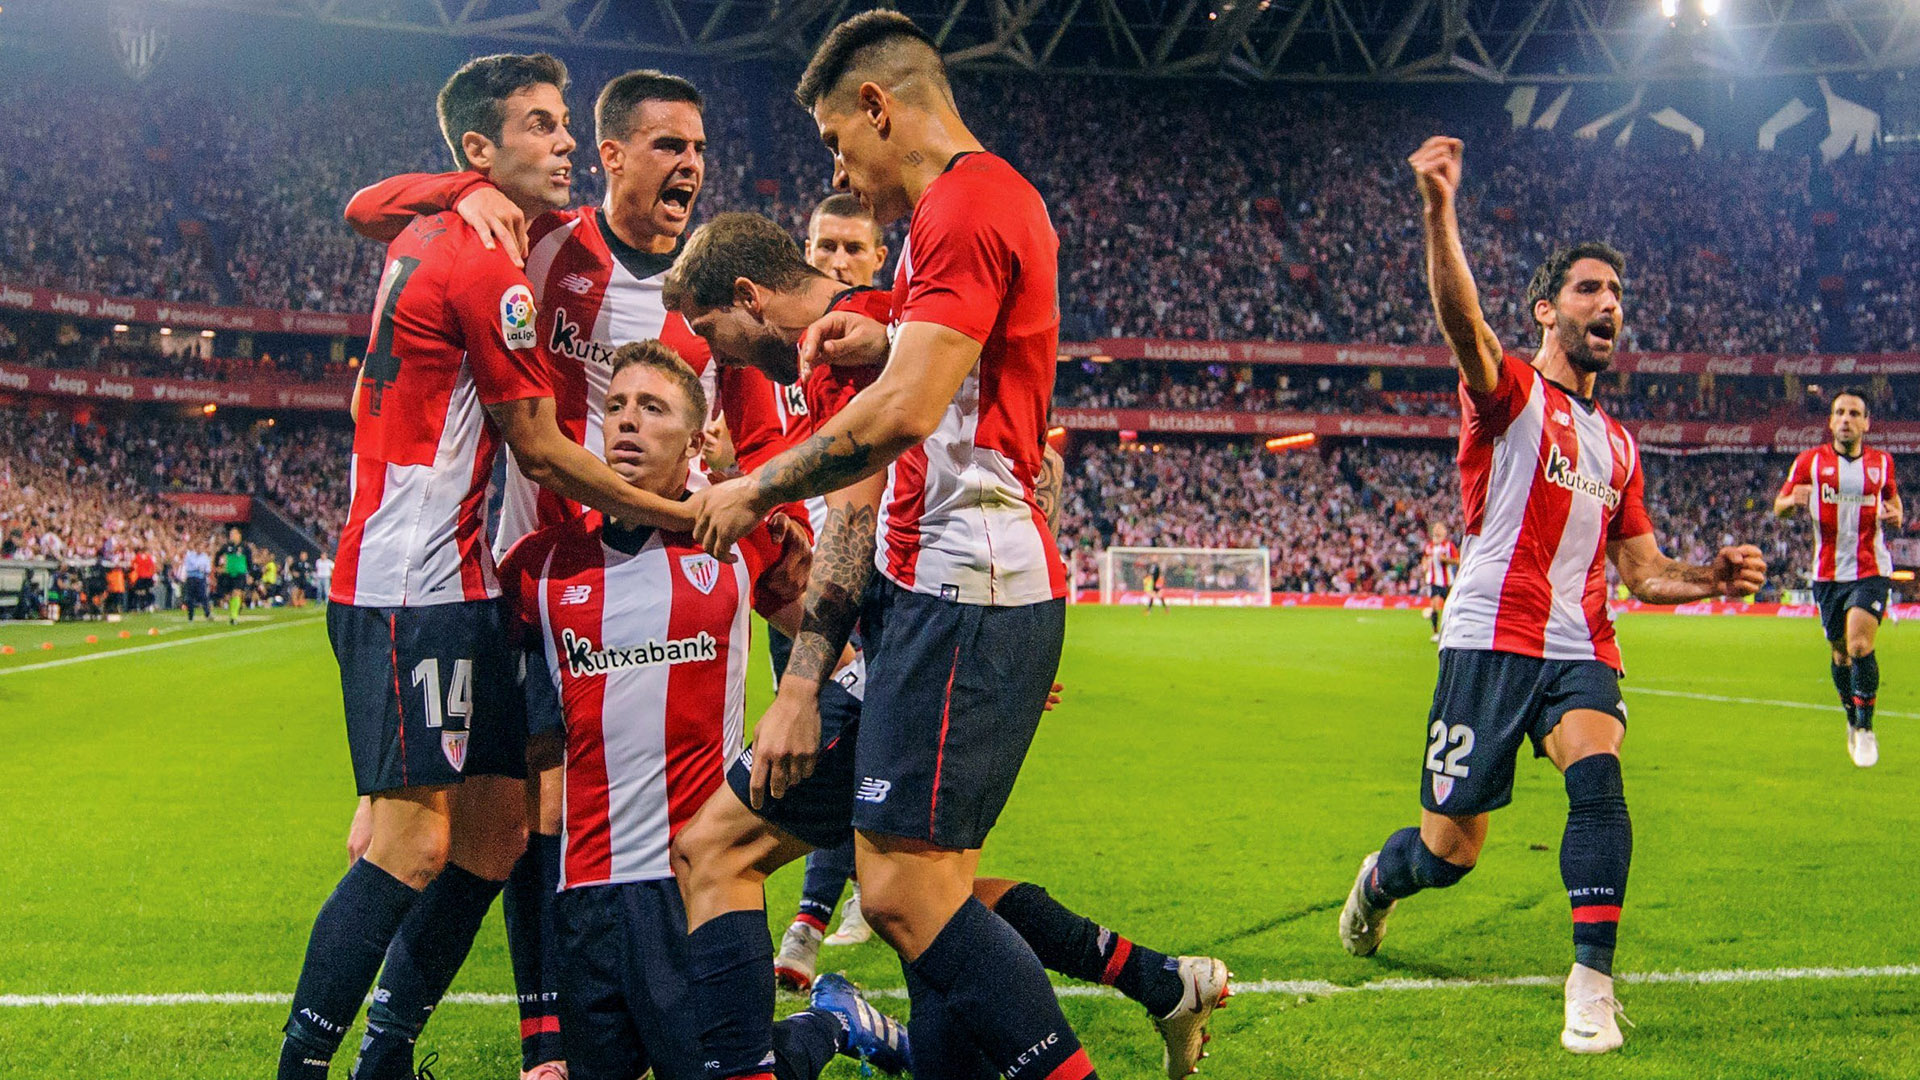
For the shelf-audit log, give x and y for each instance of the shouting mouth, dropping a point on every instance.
(677, 198)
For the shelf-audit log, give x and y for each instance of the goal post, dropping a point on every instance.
(1235, 577)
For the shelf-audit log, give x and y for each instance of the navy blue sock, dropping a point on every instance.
(1594, 857)
(998, 992)
(1866, 688)
(804, 1043)
(350, 938)
(1843, 682)
(827, 872)
(1076, 946)
(421, 962)
(941, 1049)
(533, 943)
(1406, 866)
(730, 985)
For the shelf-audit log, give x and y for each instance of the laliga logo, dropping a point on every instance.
(516, 308)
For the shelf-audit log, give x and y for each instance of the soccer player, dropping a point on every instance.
(971, 581)
(451, 372)
(1438, 560)
(846, 244)
(643, 639)
(1850, 492)
(742, 284)
(1553, 490)
(1156, 587)
(235, 568)
(596, 274)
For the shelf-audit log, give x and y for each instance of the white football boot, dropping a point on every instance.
(1185, 1028)
(1361, 924)
(1593, 1014)
(853, 925)
(1863, 747)
(799, 953)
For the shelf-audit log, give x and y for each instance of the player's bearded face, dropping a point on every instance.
(1587, 315)
(531, 163)
(649, 436)
(1848, 421)
(742, 339)
(661, 167)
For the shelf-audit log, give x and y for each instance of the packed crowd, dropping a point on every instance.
(1173, 223)
(82, 490)
(1354, 520)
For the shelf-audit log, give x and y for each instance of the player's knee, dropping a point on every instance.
(1859, 648)
(416, 857)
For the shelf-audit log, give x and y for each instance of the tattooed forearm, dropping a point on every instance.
(1046, 487)
(821, 464)
(1676, 582)
(842, 564)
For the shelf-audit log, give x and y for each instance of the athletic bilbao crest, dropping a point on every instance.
(1442, 787)
(454, 745)
(702, 571)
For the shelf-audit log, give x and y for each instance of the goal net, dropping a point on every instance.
(1228, 576)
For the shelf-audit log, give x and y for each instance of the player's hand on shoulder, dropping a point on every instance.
(787, 742)
(1740, 570)
(501, 224)
(723, 514)
(1437, 167)
(843, 339)
(787, 578)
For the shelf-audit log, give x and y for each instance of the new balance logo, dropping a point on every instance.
(576, 594)
(873, 791)
(576, 283)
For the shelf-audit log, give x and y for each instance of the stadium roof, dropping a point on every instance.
(1252, 40)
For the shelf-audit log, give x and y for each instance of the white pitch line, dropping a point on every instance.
(1724, 700)
(1265, 986)
(110, 653)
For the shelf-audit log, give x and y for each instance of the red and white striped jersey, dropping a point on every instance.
(1845, 507)
(827, 389)
(646, 640)
(453, 332)
(960, 518)
(595, 294)
(1439, 570)
(1547, 481)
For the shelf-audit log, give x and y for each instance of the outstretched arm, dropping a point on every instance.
(1657, 579)
(380, 211)
(1455, 298)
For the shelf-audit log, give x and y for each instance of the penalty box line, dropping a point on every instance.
(1728, 976)
(220, 635)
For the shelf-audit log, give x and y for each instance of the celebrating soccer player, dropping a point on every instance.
(971, 582)
(1552, 490)
(1438, 560)
(742, 283)
(643, 638)
(1850, 493)
(451, 371)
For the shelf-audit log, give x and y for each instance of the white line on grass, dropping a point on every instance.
(1264, 986)
(220, 636)
(1724, 700)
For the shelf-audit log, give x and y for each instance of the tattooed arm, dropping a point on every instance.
(903, 406)
(1046, 487)
(787, 742)
(1657, 579)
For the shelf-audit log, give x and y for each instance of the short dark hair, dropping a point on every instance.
(842, 205)
(621, 98)
(733, 246)
(472, 98)
(659, 356)
(1552, 275)
(1866, 403)
(869, 40)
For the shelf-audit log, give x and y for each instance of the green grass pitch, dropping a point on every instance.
(174, 817)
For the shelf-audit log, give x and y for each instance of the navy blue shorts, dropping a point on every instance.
(545, 715)
(1484, 705)
(818, 810)
(1439, 591)
(1836, 598)
(432, 694)
(954, 697)
(624, 1000)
